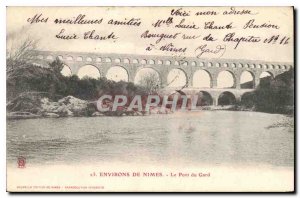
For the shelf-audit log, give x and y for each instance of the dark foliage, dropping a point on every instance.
(273, 95)
(49, 80)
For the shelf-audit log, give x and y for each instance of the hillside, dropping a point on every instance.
(273, 95)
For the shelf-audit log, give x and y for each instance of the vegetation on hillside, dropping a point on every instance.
(40, 79)
(273, 95)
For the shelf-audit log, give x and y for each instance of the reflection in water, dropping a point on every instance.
(207, 137)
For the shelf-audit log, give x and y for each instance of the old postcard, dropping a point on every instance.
(150, 99)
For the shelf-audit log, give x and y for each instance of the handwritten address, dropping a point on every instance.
(174, 33)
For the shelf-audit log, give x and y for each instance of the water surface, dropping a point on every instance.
(206, 137)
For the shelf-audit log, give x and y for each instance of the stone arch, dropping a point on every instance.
(185, 63)
(159, 62)
(202, 78)
(108, 60)
(117, 73)
(90, 71)
(126, 60)
(98, 59)
(177, 78)
(144, 62)
(79, 58)
(167, 62)
(176, 62)
(69, 58)
(218, 64)
(233, 65)
(247, 80)
(151, 62)
(60, 57)
(135, 61)
(209, 64)
(265, 77)
(226, 98)
(117, 60)
(201, 64)
(66, 70)
(89, 59)
(226, 79)
(147, 72)
(204, 99)
(265, 74)
(194, 63)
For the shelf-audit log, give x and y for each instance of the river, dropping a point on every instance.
(206, 137)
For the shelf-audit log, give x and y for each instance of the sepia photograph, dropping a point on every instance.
(150, 99)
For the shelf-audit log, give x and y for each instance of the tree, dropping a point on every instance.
(57, 65)
(150, 82)
(273, 95)
(18, 53)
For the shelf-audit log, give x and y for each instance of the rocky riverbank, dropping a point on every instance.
(43, 107)
(36, 106)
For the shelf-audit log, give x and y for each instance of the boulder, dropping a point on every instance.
(67, 106)
(75, 105)
(64, 111)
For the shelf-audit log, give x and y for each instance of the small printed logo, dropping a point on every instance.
(21, 162)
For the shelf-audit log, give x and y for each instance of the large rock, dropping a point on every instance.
(68, 106)
(48, 106)
(73, 103)
(41, 105)
(64, 111)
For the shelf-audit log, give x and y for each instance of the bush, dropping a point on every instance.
(273, 95)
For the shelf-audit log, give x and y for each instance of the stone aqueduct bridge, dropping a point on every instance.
(164, 64)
